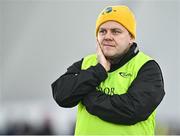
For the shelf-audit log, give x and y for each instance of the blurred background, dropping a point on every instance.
(39, 39)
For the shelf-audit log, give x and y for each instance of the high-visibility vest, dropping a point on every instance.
(117, 82)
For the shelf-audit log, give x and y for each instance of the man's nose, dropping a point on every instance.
(108, 36)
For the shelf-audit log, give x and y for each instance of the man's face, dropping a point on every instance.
(114, 39)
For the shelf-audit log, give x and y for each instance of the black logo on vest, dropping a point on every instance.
(125, 74)
(106, 90)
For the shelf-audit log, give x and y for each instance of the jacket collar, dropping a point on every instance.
(133, 51)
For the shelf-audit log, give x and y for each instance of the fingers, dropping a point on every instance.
(98, 48)
(99, 51)
(101, 58)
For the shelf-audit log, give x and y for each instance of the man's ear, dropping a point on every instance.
(132, 39)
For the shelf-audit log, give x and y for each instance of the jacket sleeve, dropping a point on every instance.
(72, 86)
(141, 99)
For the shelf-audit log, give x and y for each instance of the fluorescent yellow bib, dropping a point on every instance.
(117, 82)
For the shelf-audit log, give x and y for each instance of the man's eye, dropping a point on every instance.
(102, 31)
(116, 32)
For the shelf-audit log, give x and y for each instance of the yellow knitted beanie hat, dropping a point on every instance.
(121, 14)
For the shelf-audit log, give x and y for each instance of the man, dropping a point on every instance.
(118, 88)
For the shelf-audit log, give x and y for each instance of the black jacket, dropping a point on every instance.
(143, 96)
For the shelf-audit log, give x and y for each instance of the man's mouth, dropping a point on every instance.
(108, 45)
